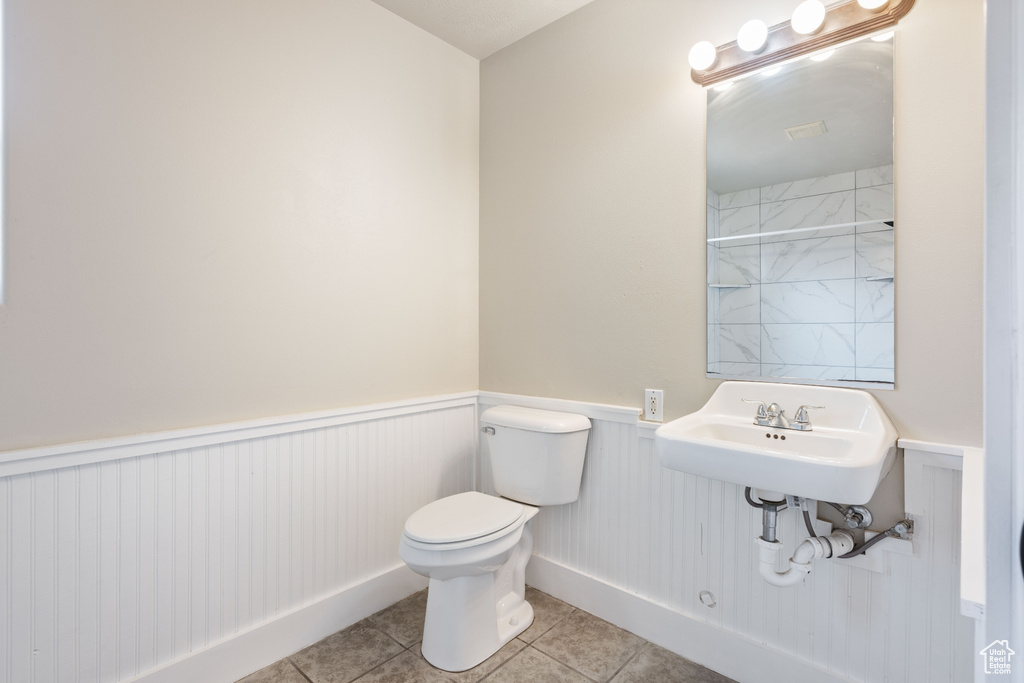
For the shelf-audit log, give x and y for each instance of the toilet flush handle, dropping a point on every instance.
(487, 430)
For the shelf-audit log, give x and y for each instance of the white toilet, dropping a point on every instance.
(474, 547)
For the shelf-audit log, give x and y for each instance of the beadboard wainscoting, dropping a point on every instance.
(206, 554)
(234, 545)
(643, 543)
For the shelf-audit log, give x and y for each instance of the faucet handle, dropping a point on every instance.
(762, 409)
(801, 413)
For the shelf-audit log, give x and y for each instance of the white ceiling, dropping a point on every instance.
(481, 27)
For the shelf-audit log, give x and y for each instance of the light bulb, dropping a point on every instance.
(703, 56)
(873, 5)
(808, 17)
(752, 36)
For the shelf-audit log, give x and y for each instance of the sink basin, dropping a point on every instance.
(850, 449)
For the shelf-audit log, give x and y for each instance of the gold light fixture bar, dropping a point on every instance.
(842, 23)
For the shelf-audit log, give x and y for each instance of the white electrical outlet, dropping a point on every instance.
(652, 405)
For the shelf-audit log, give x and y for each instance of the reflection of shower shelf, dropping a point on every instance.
(880, 278)
(728, 286)
(793, 231)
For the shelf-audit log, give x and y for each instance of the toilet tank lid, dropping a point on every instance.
(462, 517)
(534, 419)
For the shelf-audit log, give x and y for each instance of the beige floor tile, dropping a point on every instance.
(531, 666)
(346, 655)
(403, 620)
(654, 663)
(589, 645)
(547, 611)
(408, 667)
(281, 671)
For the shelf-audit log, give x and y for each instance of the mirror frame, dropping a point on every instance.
(842, 23)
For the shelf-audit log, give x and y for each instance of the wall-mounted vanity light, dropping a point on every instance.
(808, 17)
(753, 36)
(812, 28)
(703, 56)
(873, 5)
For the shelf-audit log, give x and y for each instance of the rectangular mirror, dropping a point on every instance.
(800, 221)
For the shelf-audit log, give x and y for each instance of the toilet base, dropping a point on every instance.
(467, 621)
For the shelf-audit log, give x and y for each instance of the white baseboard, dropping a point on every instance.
(260, 646)
(722, 651)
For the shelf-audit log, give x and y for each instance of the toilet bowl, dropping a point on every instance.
(476, 598)
(474, 547)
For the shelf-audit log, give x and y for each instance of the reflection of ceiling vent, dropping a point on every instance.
(807, 130)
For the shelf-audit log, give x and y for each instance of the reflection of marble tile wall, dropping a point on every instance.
(810, 309)
(713, 276)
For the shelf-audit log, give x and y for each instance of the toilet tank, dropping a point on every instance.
(536, 455)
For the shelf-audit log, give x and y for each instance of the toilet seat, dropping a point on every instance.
(462, 521)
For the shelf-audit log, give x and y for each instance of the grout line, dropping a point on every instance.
(635, 655)
(369, 624)
(570, 668)
(549, 628)
(379, 665)
(301, 672)
(393, 639)
(498, 668)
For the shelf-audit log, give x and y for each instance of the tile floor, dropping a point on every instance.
(562, 644)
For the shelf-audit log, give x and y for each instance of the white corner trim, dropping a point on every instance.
(920, 454)
(723, 651)
(972, 537)
(86, 452)
(971, 462)
(596, 411)
(645, 429)
(260, 646)
(945, 455)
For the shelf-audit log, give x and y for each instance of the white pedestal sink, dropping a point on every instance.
(851, 447)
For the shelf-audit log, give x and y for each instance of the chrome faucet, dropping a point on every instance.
(774, 416)
(762, 412)
(801, 421)
(769, 415)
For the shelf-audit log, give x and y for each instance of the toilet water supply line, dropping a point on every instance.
(837, 544)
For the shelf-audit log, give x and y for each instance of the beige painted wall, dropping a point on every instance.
(227, 210)
(218, 212)
(592, 209)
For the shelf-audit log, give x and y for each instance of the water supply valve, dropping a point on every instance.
(903, 529)
(857, 517)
